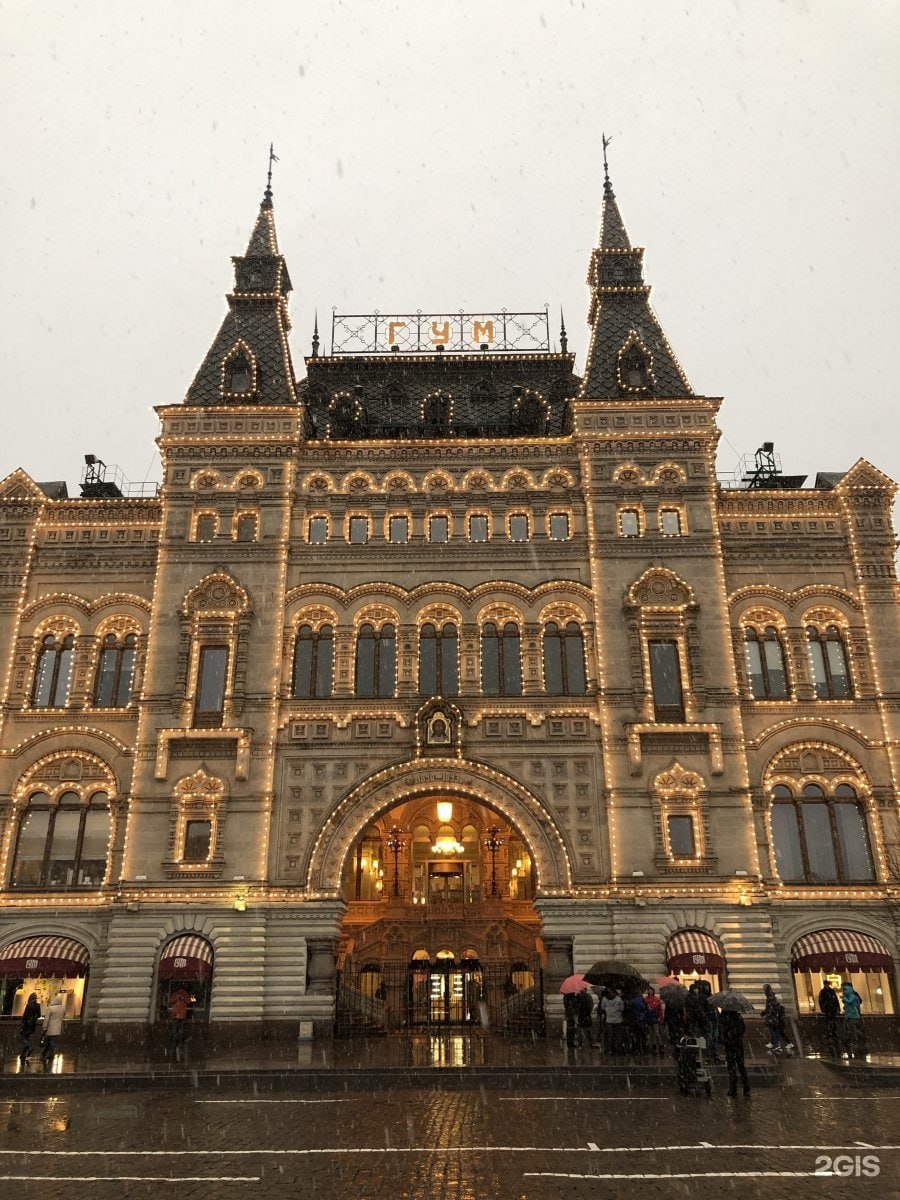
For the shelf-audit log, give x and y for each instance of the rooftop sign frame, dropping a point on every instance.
(498, 332)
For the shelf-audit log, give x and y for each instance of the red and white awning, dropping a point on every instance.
(44, 957)
(186, 957)
(840, 949)
(691, 950)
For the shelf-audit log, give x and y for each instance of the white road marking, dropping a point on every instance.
(519, 1099)
(133, 1178)
(253, 1100)
(682, 1175)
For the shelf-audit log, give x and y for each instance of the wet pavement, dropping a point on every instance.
(460, 1144)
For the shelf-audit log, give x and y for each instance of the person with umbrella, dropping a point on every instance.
(673, 994)
(571, 989)
(731, 1030)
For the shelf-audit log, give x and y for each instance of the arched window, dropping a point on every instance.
(828, 660)
(115, 671)
(439, 660)
(501, 662)
(563, 660)
(436, 414)
(634, 369)
(376, 661)
(62, 845)
(313, 662)
(820, 838)
(54, 671)
(765, 664)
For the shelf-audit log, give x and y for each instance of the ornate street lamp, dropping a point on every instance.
(394, 843)
(492, 844)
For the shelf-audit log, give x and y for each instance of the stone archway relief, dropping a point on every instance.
(396, 785)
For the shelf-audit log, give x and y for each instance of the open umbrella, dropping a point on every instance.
(575, 983)
(673, 995)
(663, 980)
(731, 1001)
(614, 972)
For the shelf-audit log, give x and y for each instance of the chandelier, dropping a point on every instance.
(447, 844)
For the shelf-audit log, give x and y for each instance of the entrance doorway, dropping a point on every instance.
(441, 930)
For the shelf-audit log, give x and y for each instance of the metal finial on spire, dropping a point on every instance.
(315, 339)
(563, 336)
(273, 158)
(606, 141)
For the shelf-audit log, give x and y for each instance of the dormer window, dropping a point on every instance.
(238, 375)
(633, 368)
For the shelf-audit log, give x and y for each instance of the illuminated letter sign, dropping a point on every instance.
(393, 326)
(440, 334)
(483, 331)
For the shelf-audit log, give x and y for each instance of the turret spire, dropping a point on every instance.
(249, 361)
(629, 355)
(315, 337)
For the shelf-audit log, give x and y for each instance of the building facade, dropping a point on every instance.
(439, 673)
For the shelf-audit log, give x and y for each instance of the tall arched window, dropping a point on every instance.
(313, 662)
(115, 671)
(62, 845)
(376, 661)
(439, 660)
(563, 660)
(819, 837)
(54, 671)
(501, 661)
(828, 660)
(436, 414)
(237, 374)
(765, 663)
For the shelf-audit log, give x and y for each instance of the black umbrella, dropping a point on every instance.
(615, 972)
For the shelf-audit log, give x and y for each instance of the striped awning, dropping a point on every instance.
(186, 957)
(44, 957)
(692, 950)
(840, 949)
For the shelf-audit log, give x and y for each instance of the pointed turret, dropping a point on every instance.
(249, 361)
(629, 355)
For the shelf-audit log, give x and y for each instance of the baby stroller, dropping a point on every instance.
(692, 1071)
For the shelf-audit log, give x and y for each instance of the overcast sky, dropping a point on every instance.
(446, 154)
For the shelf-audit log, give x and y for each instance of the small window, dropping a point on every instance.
(559, 527)
(629, 522)
(665, 676)
(438, 529)
(359, 530)
(246, 527)
(670, 522)
(681, 837)
(518, 527)
(318, 531)
(205, 529)
(211, 674)
(478, 529)
(398, 530)
(197, 839)
(238, 375)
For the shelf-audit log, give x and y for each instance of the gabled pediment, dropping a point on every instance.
(864, 475)
(19, 485)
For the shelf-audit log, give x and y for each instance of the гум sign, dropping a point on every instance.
(430, 333)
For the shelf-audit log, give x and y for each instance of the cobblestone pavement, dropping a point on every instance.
(464, 1144)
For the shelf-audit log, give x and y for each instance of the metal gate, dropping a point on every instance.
(390, 996)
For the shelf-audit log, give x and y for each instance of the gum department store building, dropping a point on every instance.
(437, 674)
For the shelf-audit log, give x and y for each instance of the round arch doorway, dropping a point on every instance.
(441, 930)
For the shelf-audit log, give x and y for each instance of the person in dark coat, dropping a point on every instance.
(712, 1017)
(584, 1015)
(830, 1008)
(28, 1029)
(695, 1013)
(571, 1016)
(731, 1030)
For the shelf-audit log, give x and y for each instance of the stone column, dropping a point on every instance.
(559, 967)
(321, 954)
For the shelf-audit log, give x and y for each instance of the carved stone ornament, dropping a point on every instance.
(661, 589)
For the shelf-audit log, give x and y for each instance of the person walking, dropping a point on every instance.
(654, 1021)
(179, 1010)
(613, 1007)
(731, 1027)
(854, 1034)
(775, 1016)
(30, 1017)
(830, 1008)
(53, 1027)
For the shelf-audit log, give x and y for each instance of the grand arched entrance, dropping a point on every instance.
(441, 931)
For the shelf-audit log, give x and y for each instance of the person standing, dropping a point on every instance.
(854, 1034)
(30, 1018)
(731, 1027)
(775, 1017)
(695, 1013)
(179, 1010)
(712, 1018)
(640, 1018)
(53, 1027)
(830, 1008)
(654, 1021)
(613, 1007)
(584, 1014)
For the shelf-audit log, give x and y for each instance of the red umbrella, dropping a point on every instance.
(666, 979)
(575, 983)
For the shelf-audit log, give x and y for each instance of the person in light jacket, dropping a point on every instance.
(613, 1007)
(53, 1027)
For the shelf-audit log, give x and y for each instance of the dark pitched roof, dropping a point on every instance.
(255, 330)
(622, 320)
